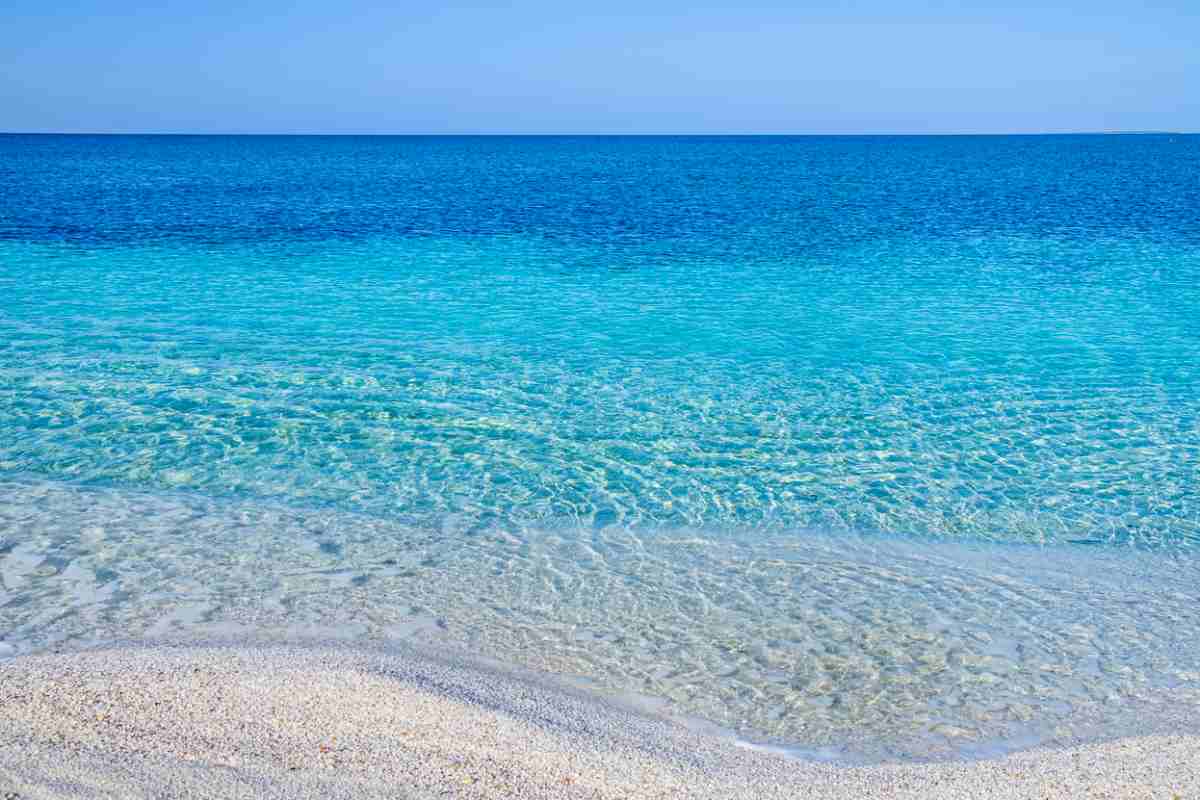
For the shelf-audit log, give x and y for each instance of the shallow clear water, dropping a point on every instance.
(888, 445)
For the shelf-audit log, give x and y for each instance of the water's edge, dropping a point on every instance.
(835, 645)
(1130, 723)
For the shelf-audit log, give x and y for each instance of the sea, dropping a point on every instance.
(860, 448)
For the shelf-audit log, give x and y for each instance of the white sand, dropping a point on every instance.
(298, 722)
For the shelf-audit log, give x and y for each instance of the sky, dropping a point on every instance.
(549, 67)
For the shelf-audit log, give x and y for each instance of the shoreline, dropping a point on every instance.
(235, 720)
(874, 646)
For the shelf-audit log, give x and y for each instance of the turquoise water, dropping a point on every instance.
(866, 445)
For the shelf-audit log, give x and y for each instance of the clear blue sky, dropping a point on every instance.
(554, 66)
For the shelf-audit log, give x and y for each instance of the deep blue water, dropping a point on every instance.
(884, 443)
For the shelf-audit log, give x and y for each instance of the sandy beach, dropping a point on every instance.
(243, 721)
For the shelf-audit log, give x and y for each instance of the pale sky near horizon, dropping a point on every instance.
(535, 66)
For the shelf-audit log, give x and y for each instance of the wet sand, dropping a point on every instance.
(297, 722)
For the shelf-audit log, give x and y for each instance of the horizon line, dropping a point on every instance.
(486, 134)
